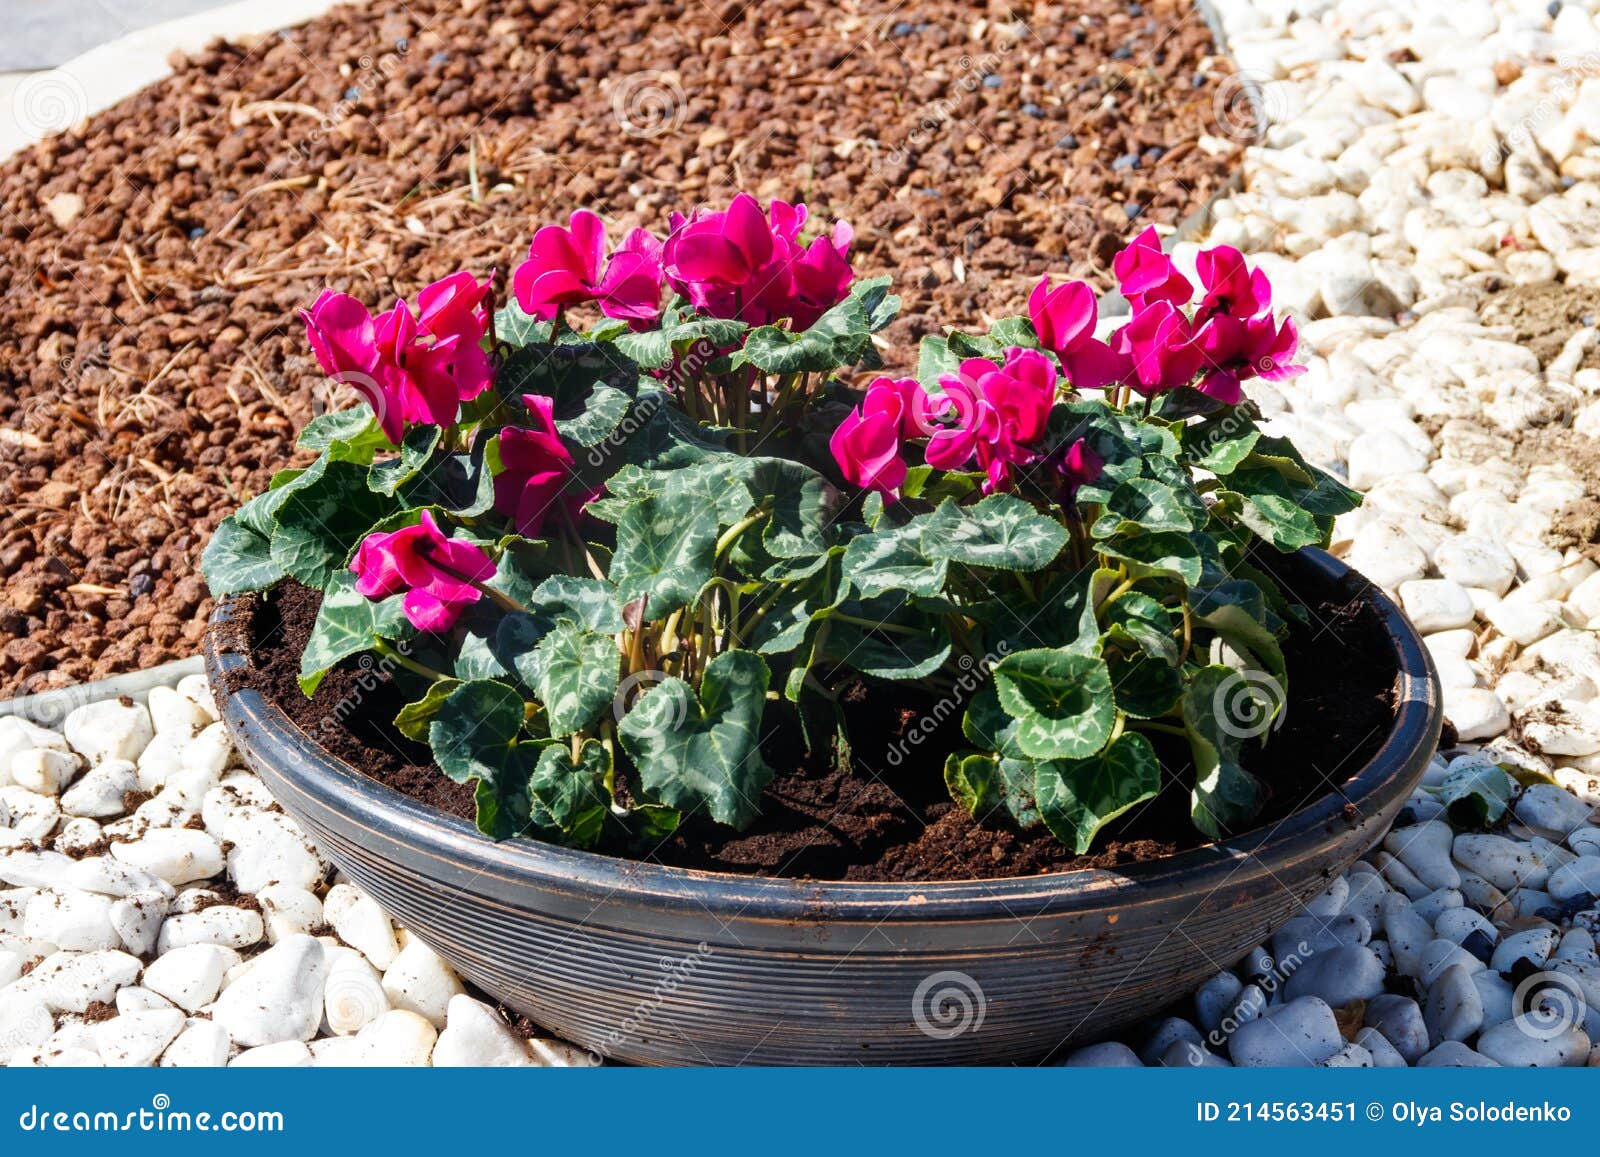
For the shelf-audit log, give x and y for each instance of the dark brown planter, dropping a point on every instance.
(663, 965)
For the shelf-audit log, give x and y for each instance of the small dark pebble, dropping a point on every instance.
(1125, 161)
(1153, 154)
(1554, 8)
(1198, 80)
(197, 232)
(1136, 10)
(1551, 914)
(1068, 142)
(993, 80)
(903, 28)
(1407, 817)
(140, 585)
(1122, 53)
(439, 58)
(352, 93)
(1132, 210)
(1032, 110)
(1480, 944)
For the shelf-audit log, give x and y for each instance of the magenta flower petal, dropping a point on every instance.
(427, 612)
(1145, 274)
(1064, 316)
(867, 449)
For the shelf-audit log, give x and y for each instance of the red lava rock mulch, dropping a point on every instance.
(152, 372)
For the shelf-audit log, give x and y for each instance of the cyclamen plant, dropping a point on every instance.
(608, 532)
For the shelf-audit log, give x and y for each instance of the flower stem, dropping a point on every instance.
(407, 661)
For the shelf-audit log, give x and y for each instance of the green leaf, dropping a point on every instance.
(934, 360)
(983, 785)
(585, 602)
(1013, 332)
(1140, 504)
(238, 559)
(578, 672)
(1236, 610)
(414, 718)
(1221, 442)
(1145, 623)
(320, 523)
(1164, 553)
(1078, 797)
(348, 623)
(1145, 687)
(1062, 702)
(1475, 795)
(703, 751)
(838, 338)
(416, 447)
(890, 654)
(355, 427)
(474, 733)
(518, 329)
(1002, 531)
(1225, 796)
(894, 560)
(882, 306)
(987, 725)
(666, 547)
(571, 797)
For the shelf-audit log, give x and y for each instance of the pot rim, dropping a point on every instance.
(309, 769)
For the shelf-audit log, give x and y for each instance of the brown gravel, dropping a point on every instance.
(152, 372)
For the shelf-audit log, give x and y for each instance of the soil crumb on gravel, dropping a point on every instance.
(152, 371)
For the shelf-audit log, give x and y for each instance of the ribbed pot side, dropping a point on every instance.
(658, 965)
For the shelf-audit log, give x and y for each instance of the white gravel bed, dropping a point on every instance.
(157, 907)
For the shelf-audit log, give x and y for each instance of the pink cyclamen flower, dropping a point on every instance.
(867, 444)
(1235, 351)
(1146, 274)
(537, 478)
(436, 572)
(995, 413)
(402, 378)
(1232, 287)
(567, 267)
(1078, 466)
(563, 266)
(458, 307)
(630, 288)
(746, 264)
(1158, 342)
(1065, 319)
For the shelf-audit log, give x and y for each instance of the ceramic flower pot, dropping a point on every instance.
(660, 965)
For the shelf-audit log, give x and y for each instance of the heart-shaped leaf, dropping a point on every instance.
(238, 559)
(703, 751)
(1061, 700)
(348, 623)
(320, 522)
(1002, 531)
(665, 549)
(578, 672)
(1078, 797)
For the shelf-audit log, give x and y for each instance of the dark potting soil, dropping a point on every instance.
(890, 817)
(153, 372)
